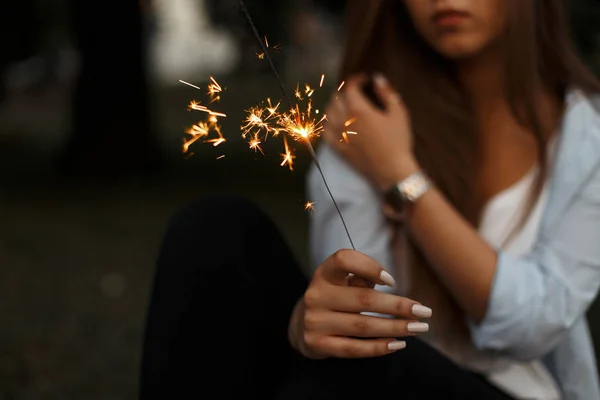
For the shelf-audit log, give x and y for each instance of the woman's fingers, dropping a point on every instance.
(357, 281)
(343, 347)
(345, 262)
(357, 325)
(386, 92)
(358, 300)
(355, 99)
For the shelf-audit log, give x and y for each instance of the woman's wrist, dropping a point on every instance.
(406, 166)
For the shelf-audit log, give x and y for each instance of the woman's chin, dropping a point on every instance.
(458, 53)
(458, 49)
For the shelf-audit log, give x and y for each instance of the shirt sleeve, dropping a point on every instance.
(536, 299)
(359, 204)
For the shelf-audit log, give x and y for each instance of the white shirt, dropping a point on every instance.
(501, 216)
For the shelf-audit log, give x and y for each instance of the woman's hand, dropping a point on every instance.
(381, 149)
(327, 322)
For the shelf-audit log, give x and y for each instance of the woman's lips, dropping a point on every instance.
(450, 18)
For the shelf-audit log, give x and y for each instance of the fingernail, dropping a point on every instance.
(380, 79)
(417, 327)
(395, 346)
(420, 311)
(387, 278)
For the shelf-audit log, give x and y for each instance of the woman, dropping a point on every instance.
(502, 239)
(242, 306)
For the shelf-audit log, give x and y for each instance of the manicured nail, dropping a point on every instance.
(395, 346)
(417, 327)
(420, 311)
(380, 79)
(387, 278)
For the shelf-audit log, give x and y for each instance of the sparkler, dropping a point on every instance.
(203, 128)
(299, 126)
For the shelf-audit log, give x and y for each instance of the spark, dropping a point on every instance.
(256, 121)
(309, 206)
(341, 86)
(322, 80)
(214, 90)
(277, 47)
(189, 84)
(300, 127)
(203, 129)
(255, 144)
(196, 132)
(298, 93)
(272, 109)
(287, 157)
(216, 142)
(194, 105)
(260, 56)
(308, 90)
(344, 138)
(298, 123)
(349, 122)
(221, 157)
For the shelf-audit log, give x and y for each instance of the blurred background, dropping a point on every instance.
(92, 121)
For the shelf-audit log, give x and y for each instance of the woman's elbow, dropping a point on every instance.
(526, 339)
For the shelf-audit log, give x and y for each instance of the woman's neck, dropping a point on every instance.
(483, 78)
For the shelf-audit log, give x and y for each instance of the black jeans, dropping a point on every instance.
(217, 325)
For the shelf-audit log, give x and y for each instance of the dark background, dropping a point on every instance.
(92, 119)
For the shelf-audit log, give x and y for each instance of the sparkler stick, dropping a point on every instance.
(291, 105)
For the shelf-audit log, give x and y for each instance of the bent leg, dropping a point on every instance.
(225, 286)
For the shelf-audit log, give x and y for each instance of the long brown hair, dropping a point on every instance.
(540, 58)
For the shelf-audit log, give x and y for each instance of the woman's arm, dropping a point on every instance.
(519, 305)
(456, 251)
(360, 205)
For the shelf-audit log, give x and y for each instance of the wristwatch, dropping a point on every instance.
(407, 191)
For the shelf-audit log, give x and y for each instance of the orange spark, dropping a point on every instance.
(341, 85)
(197, 131)
(322, 80)
(349, 122)
(308, 90)
(255, 121)
(345, 136)
(214, 90)
(309, 206)
(299, 127)
(297, 93)
(216, 142)
(198, 107)
(255, 144)
(288, 157)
